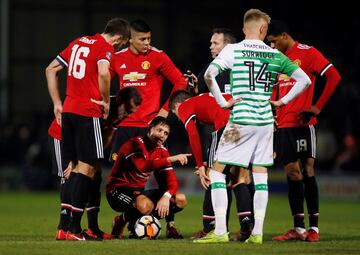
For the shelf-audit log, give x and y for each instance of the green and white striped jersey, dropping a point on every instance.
(254, 67)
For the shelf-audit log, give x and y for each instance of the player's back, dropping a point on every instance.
(254, 67)
(205, 109)
(82, 57)
(312, 62)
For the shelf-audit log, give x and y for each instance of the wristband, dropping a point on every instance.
(167, 193)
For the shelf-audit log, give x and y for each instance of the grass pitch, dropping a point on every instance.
(28, 222)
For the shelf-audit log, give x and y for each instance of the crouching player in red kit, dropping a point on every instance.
(137, 159)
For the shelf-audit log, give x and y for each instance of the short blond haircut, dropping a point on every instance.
(255, 15)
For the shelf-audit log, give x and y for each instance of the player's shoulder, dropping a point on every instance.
(308, 51)
(121, 52)
(162, 148)
(303, 46)
(156, 50)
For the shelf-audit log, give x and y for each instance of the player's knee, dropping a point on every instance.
(294, 175)
(144, 205)
(309, 168)
(180, 200)
(293, 171)
(309, 171)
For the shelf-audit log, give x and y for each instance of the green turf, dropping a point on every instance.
(28, 222)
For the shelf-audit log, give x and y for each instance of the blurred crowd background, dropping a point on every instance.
(33, 32)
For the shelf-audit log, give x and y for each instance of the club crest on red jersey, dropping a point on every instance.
(297, 62)
(145, 65)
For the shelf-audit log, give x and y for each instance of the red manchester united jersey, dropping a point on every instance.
(81, 58)
(202, 108)
(55, 130)
(135, 163)
(146, 72)
(313, 63)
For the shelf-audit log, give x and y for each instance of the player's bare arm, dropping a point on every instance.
(53, 86)
(104, 86)
(181, 158)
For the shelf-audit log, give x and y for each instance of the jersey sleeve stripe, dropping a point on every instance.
(132, 154)
(325, 69)
(61, 61)
(103, 59)
(166, 169)
(188, 119)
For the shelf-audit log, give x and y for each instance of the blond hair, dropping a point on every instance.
(255, 16)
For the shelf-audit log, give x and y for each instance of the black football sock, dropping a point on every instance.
(131, 216)
(296, 201)
(229, 194)
(79, 199)
(172, 210)
(117, 228)
(65, 211)
(208, 212)
(312, 200)
(68, 188)
(251, 188)
(93, 205)
(244, 206)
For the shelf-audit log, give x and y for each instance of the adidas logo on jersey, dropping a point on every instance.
(123, 66)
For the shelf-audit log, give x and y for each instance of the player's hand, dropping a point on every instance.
(231, 103)
(69, 169)
(163, 113)
(57, 113)
(276, 123)
(306, 115)
(276, 104)
(105, 105)
(181, 158)
(191, 79)
(162, 206)
(204, 178)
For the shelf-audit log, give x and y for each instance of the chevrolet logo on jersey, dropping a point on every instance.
(134, 76)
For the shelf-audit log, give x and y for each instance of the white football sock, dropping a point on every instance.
(260, 201)
(219, 201)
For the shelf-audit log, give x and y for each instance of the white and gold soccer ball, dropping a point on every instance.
(147, 227)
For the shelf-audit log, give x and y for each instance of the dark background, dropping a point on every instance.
(33, 32)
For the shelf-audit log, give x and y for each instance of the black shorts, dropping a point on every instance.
(121, 199)
(82, 137)
(295, 143)
(124, 134)
(59, 164)
(215, 138)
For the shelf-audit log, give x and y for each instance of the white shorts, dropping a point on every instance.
(241, 145)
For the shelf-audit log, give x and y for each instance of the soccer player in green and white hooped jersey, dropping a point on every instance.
(248, 136)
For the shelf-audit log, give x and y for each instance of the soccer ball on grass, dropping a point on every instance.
(147, 227)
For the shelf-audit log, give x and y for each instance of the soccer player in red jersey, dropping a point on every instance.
(144, 67)
(136, 160)
(191, 110)
(295, 144)
(126, 101)
(87, 60)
